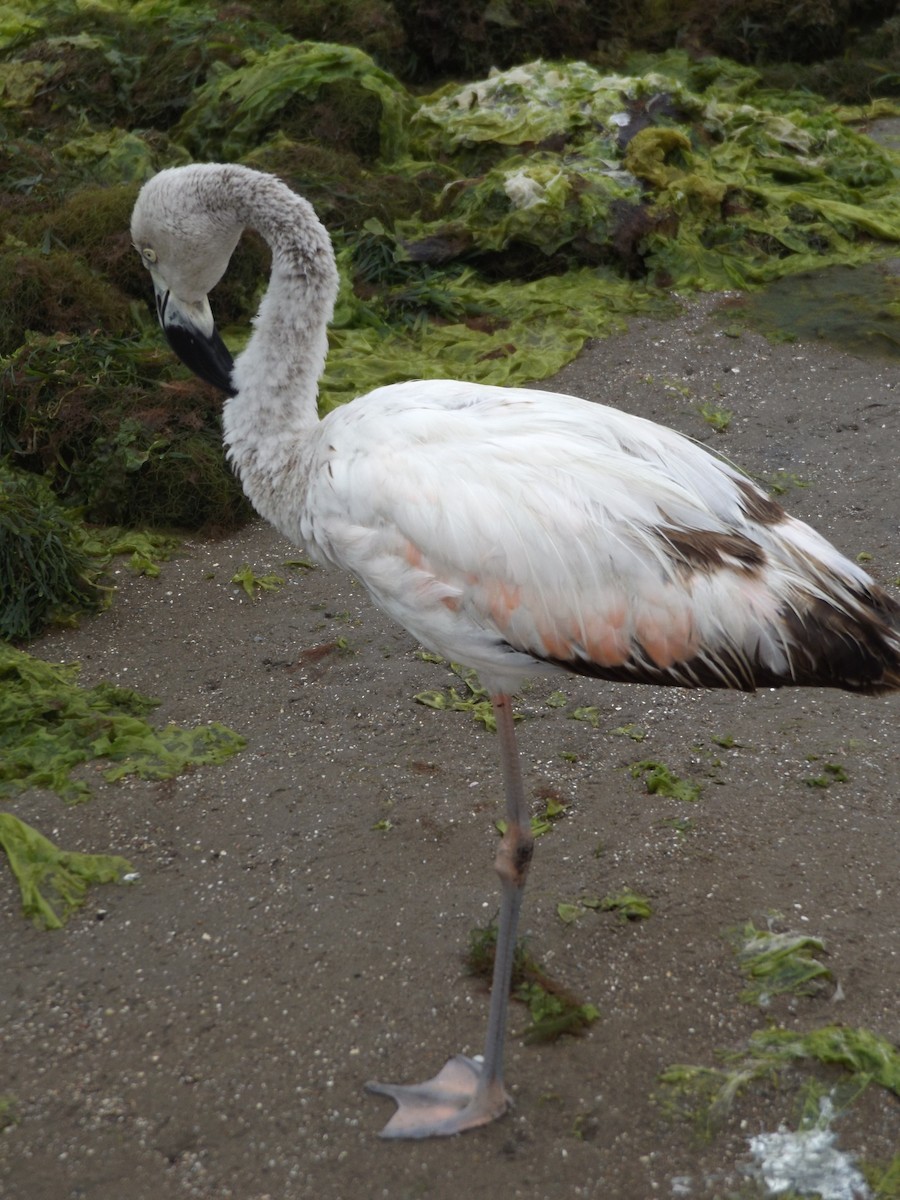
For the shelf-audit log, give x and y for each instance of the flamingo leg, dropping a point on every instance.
(469, 1092)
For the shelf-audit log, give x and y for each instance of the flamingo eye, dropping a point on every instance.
(148, 254)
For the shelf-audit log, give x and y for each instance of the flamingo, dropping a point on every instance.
(516, 531)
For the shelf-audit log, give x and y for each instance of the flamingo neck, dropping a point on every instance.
(269, 420)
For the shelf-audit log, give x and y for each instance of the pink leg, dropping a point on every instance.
(467, 1092)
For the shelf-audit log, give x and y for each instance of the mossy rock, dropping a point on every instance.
(307, 91)
(179, 52)
(133, 66)
(93, 223)
(768, 30)
(467, 38)
(869, 66)
(45, 573)
(371, 25)
(46, 292)
(344, 193)
(118, 430)
(79, 74)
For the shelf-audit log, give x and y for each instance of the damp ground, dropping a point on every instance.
(303, 910)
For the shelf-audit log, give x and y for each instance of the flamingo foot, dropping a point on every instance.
(456, 1099)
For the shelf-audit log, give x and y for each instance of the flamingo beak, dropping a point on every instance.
(190, 330)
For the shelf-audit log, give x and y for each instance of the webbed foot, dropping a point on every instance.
(456, 1099)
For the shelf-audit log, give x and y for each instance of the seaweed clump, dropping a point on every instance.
(49, 726)
(46, 291)
(687, 173)
(101, 722)
(329, 93)
(53, 883)
(45, 572)
(117, 435)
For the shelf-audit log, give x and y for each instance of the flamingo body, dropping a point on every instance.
(513, 530)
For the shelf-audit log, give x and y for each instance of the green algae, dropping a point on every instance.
(48, 289)
(51, 564)
(235, 110)
(254, 584)
(509, 332)
(109, 423)
(707, 1095)
(117, 156)
(663, 782)
(475, 699)
(553, 1009)
(834, 1060)
(628, 904)
(53, 883)
(884, 1180)
(866, 1056)
(46, 573)
(50, 725)
(733, 185)
(776, 963)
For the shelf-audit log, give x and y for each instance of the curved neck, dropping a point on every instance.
(276, 377)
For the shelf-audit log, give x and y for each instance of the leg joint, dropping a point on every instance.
(514, 855)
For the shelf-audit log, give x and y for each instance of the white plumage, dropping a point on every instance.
(513, 530)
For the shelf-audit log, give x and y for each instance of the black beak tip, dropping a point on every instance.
(208, 357)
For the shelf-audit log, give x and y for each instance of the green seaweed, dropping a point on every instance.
(553, 1009)
(52, 565)
(866, 1056)
(146, 548)
(9, 1112)
(884, 1181)
(717, 418)
(45, 571)
(553, 1012)
(589, 713)
(49, 725)
(778, 963)
(253, 583)
(542, 822)
(114, 429)
(635, 732)
(832, 773)
(475, 700)
(657, 195)
(706, 1095)
(53, 882)
(629, 905)
(507, 333)
(235, 110)
(46, 290)
(661, 781)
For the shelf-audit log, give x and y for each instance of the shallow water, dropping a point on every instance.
(855, 308)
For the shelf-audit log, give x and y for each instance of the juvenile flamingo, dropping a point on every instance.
(515, 531)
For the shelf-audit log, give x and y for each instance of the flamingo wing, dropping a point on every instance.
(510, 529)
